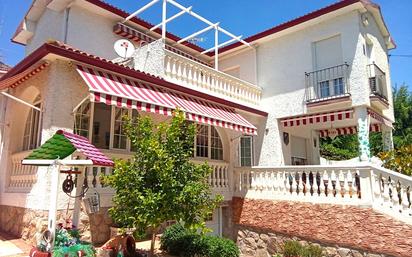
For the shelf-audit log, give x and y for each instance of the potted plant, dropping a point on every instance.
(67, 243)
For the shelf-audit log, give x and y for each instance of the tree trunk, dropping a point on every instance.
(152, 243)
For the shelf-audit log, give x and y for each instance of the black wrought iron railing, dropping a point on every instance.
(327, 83)
(377, 81)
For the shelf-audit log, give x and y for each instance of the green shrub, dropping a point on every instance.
(294, 249)
(173, 239)
(213, 246)
(179, 241)
(313, 251)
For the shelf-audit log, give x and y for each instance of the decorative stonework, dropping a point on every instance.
(254, 243)
(363, 138)
(24, 223)
(347, 226)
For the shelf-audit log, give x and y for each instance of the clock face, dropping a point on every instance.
(332, 133)
(124, 48)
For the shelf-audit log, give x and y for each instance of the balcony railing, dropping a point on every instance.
(192, 74)
(377, 81)
(362, 185)
(23, 177)
(327, 83)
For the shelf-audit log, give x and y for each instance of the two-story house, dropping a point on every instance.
(259, 115)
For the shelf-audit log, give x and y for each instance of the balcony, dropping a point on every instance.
(190, 73)
(327, 84)
(377, 85)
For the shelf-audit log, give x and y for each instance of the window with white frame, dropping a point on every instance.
(202, 141)
(246, 151)
(324, 88)
(208, 143)
(32, 129)
(119, 136)
(82, 119)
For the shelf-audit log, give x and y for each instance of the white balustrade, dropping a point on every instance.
(21, 177)
(363, 185)
(219, 178)
(307, 183)
(189, 73)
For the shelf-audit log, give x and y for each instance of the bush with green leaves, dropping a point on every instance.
(183, 242)
(295, 249)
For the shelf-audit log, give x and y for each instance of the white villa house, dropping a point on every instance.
(261, 105)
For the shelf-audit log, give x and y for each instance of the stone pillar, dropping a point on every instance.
(362, 117)
(387, 139)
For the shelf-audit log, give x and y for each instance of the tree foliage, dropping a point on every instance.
(402, 103)
(339, 148)
(160, 183)
(399, 160)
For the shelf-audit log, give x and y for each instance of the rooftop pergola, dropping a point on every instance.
(188, 10)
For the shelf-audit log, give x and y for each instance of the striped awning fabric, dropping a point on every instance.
(349, 130)
(317, 118)
(379, 118)
(124, 92)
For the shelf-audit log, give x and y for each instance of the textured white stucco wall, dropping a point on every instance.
(48, 27)
(379, 55)
(245, 60)
(91, 32)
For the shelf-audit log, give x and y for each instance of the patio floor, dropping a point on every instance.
(16, 247)
(11, 246)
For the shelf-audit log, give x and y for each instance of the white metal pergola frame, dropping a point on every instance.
(188, 10)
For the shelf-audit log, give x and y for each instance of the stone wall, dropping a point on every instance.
(257, 243)
(24, 223)
(346, 226)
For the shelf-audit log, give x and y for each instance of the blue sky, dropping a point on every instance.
(242, 17)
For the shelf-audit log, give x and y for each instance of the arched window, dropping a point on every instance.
(32, 129)
(208, 143)
(82, 119)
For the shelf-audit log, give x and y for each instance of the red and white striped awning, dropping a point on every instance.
(317, 118)
(379, 118)
(124, 92)
(349, 130)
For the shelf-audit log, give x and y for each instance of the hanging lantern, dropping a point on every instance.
(92, 203)
(332, 133)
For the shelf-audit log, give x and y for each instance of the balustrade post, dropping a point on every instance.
(300, 183)
(404, 199)
(322, 186)
(294, 183)
(365, 181)
(395, 196)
